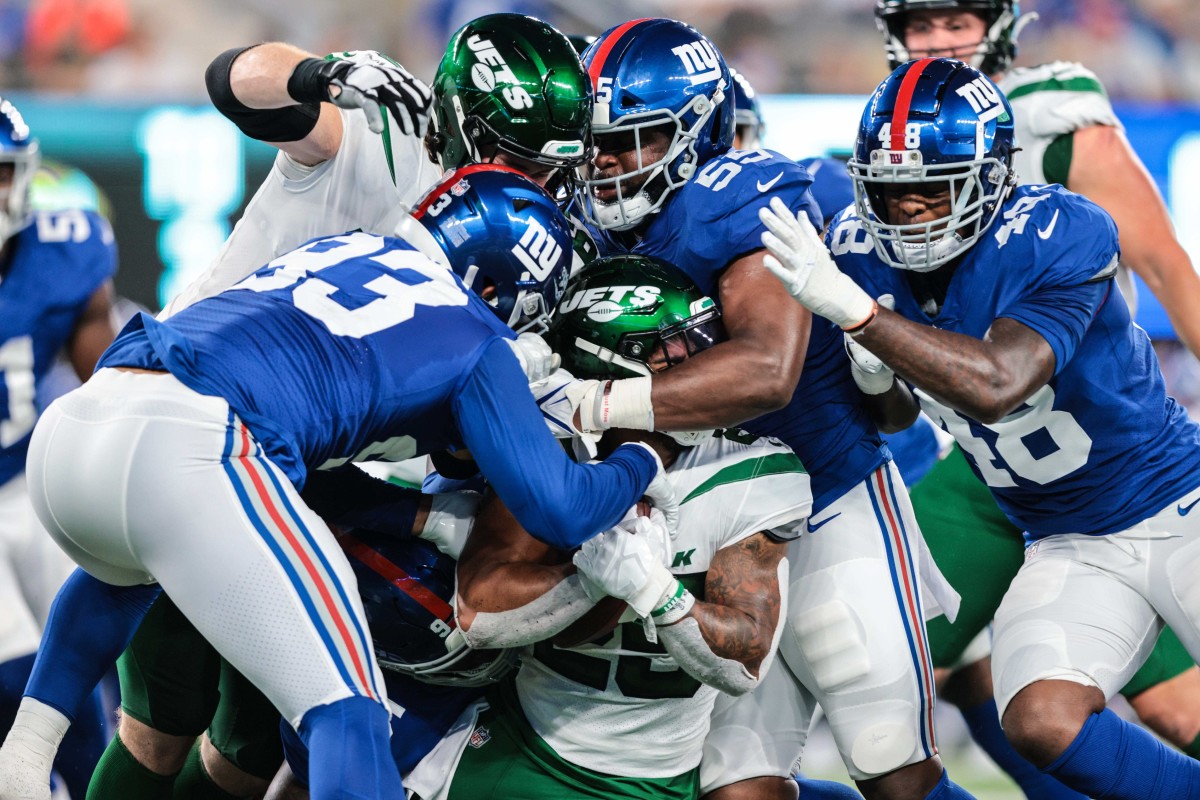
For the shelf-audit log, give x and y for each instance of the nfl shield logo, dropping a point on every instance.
(479, 737)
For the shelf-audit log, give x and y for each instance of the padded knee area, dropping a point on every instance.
(830, 636)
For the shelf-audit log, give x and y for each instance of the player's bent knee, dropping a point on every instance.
(830, 636)
(226, 775)
(764, 788)
(1044, 718)
(158, 752)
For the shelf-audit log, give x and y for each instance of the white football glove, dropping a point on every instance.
(660, 492)
(869, 372)
(627, 562)
(369, 80)
(800, 260)
(559, 397)
(537, 359)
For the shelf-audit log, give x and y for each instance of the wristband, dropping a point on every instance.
(679, 602)
(309, 81)
(624, 404)
(856, 330)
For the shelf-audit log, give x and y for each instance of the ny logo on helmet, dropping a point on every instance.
(984, 98)
(700, 60)
(486, 79)
(537, 250)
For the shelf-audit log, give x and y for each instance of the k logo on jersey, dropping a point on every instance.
(537, 250)
(492, 71)
(700, 60)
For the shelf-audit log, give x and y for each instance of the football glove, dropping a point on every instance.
(559, 397)
(628, 562)
(800, 260)
(368, 80)
(869, 372)
(537, 359)
(660, 492)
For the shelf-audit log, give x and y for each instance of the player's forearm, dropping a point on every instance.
(518, 604)
(894, 410)
(259, 76)
(1172, 278)
(723, 386)
(963, 372)
(722, 647)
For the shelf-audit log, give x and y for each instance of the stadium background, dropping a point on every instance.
(116, 89)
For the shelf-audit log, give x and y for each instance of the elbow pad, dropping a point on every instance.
(287, 124)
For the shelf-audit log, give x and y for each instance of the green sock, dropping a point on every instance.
(194, 782)
(1193, 749)
(119, 776)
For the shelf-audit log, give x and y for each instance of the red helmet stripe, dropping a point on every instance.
(398, 578)
(454, 177)
(606, 47)
(904, 99)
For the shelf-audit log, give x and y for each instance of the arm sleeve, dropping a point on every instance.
(286, 124)
(556, 500)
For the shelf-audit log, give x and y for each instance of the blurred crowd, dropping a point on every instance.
(158, 49)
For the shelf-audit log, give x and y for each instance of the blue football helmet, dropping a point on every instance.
(941, 123)
(749, 124)
(20, 149)
(407, 590)
(652, 73)
(502, 235)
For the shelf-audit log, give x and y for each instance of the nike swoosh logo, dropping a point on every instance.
(762, 187)
(813, 528)
(1045, 234)
(1183, 510)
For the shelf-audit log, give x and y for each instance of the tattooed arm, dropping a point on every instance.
(729, 639)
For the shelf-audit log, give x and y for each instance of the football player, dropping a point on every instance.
(56, 272)
(333, 173)
(625, 713)
(664, 183)
(1009, 332)
(1068, 134)
(353, 304)
(749, 127)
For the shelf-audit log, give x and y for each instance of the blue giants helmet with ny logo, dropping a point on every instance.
(653, 73)
(18, 153)
(503, 235)
(943, 125)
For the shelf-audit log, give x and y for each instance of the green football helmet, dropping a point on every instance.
(1003, 19)
(511, 84)
(629, 315)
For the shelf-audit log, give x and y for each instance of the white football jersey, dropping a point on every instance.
(622, 706)
(368, 185)
(1049, 101)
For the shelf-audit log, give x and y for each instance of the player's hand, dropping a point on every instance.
(869, 372)
(366, 79)
(537, 359)
(627, 562)
(660, 492)
(560, 398)
(800, 260)
(20, 776)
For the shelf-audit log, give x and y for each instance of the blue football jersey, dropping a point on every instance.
(57, 263)
(358, 348)
(831, 185)
(713, 220)
(1101, 446)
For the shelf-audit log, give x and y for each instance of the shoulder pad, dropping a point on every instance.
(1054, 99)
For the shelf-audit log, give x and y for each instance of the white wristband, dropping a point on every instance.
(677, 601)
(624, 404)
